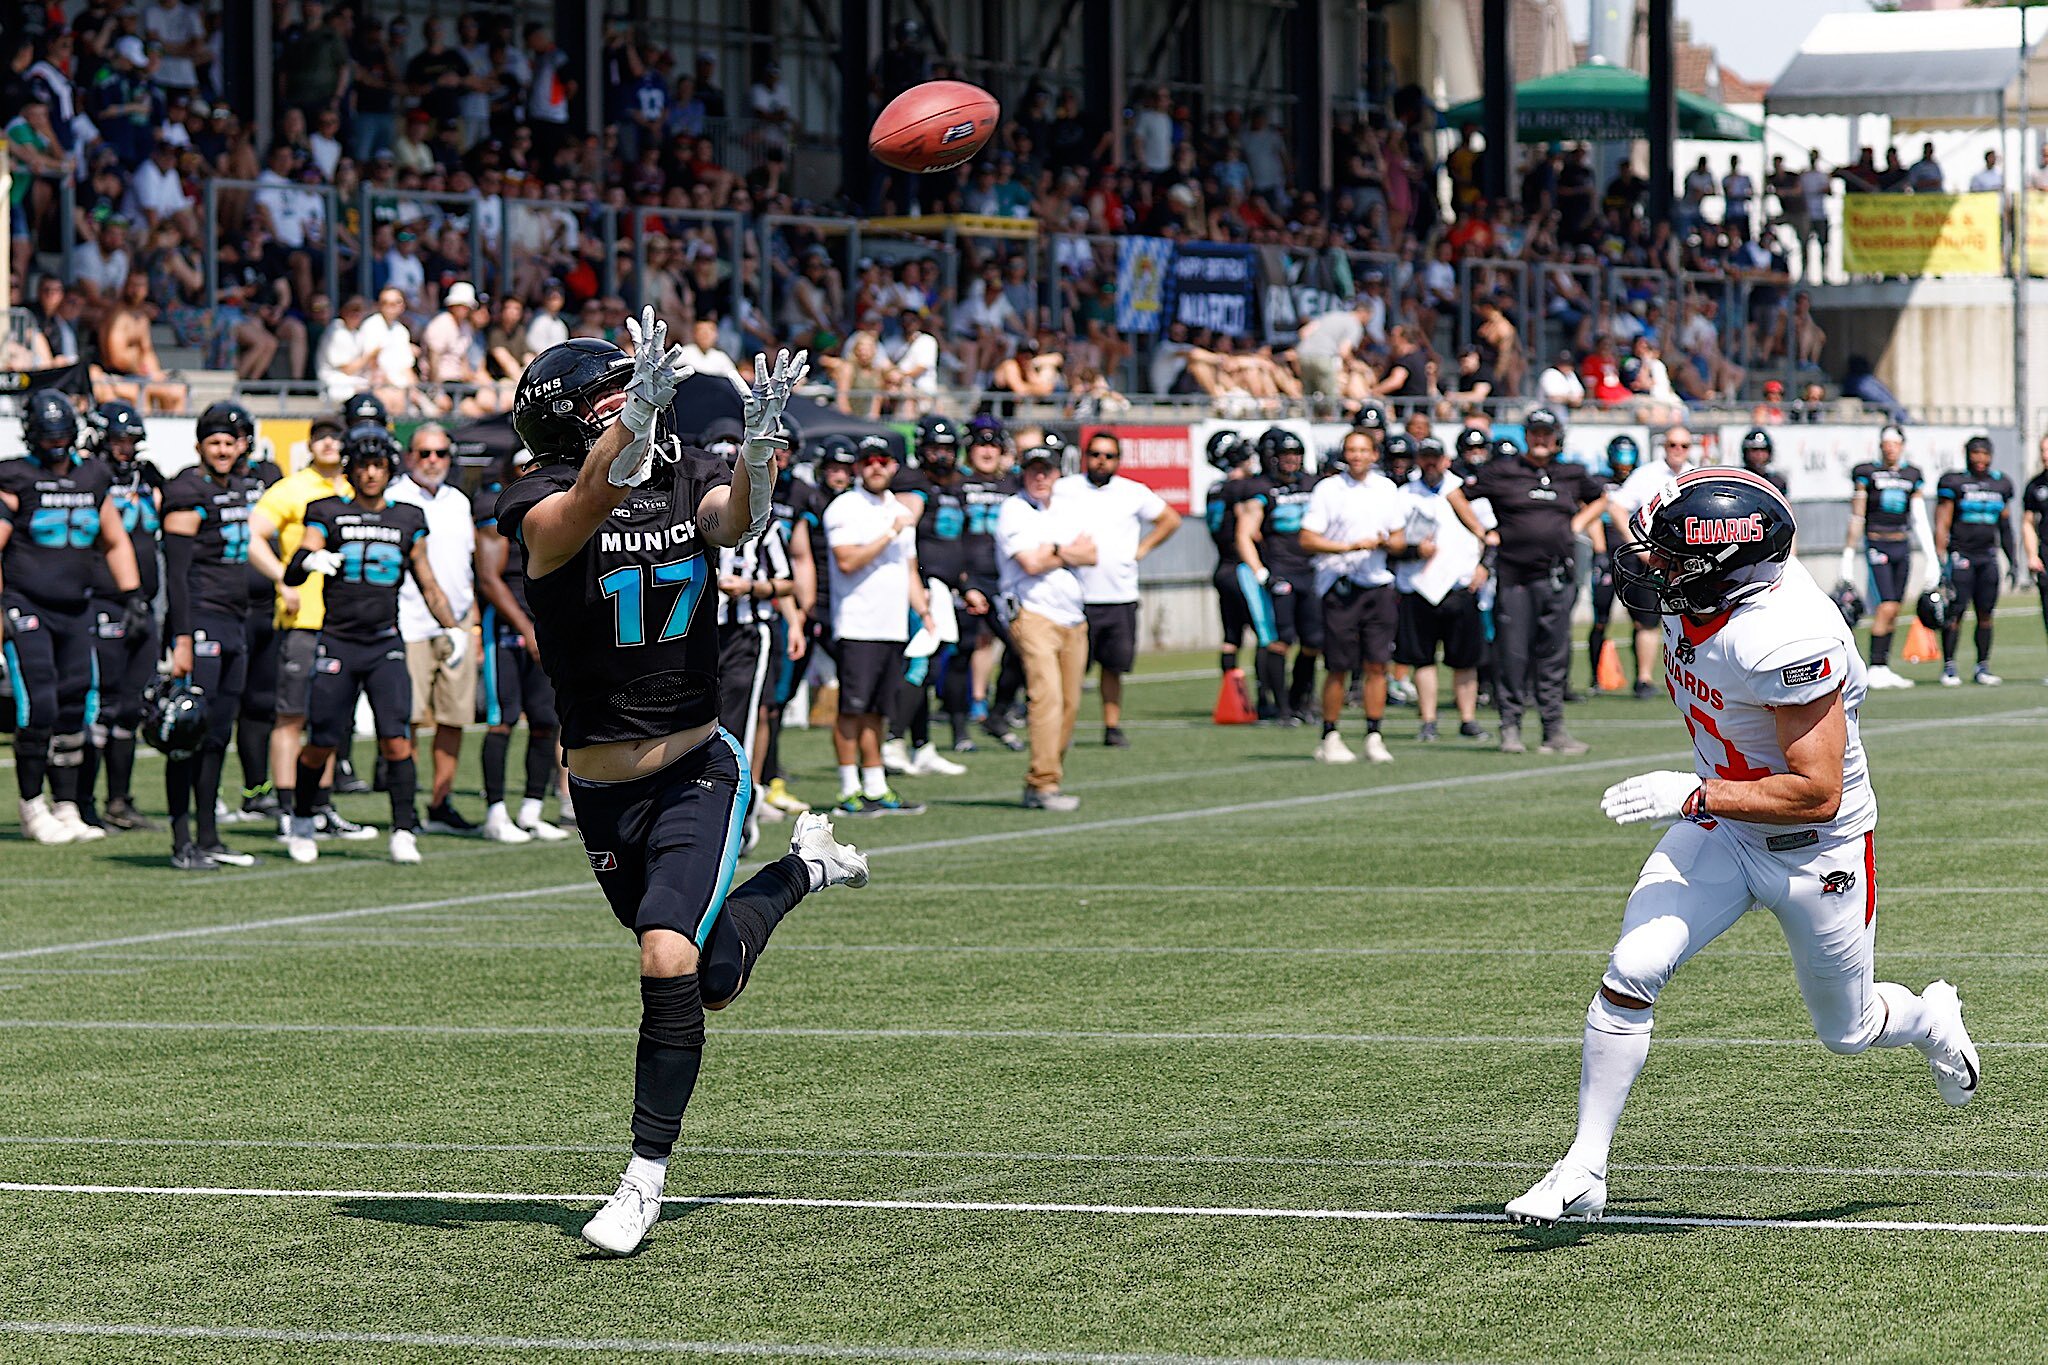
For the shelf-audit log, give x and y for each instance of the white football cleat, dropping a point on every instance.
(1569, 1191)
(1882, 676)
(405, 847)
(1948, 676)
(41, 825)
(66, 814)
(1986, 678)
(621, 1225)
(929, 762)
(1333, 749)
(1951, 1056)
(896, 756)
(299, 841)
(500, 829)
(844, 864)
(530, 820)
(1376, 748)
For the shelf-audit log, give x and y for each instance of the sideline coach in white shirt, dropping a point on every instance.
(1354, 520)
(1038, 548)
(1115, 511)
(442, 696)
(1439, 578)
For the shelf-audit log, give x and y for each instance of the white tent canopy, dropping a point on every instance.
(1959, 67)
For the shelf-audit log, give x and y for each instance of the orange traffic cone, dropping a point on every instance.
(1922, 647)
(1232, 707)
(1608, 676)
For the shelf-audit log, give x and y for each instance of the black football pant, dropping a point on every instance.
(220, 669)
(1532, 623)
(49, 653)
(127, 663)
(1976, 581)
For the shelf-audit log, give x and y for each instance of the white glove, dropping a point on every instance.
(326, 562)
(656, 373)
(1849, 564)
(764, 433)
(458, 646)
(1264, 576)
(1652, 798)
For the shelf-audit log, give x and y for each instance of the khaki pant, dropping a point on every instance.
(441, 695)
(1055, 662)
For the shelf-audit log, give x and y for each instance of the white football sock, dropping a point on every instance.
(1608, 1066)
(495, 810)
(648, 1172)
(849, 779)
(529, 811)
(874, 782)
(1908, 1023)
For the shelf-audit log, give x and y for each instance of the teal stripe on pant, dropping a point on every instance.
(1260, 605)
(490, 667)
(20, 689)
(735, 835)
(92, 693)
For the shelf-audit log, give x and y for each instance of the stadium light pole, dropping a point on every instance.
(1497, 83)
(1662, 92)
(2024, 273)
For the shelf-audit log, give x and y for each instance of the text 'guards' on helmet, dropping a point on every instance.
(1687, 550)
(568, 396)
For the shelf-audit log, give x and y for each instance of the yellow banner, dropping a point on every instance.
(1920, 234)
(966, 224)
(2037, 235)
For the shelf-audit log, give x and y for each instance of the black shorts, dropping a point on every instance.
(220, 668)
(340, 670)
(295, 650)
(514, 684)
(1891, 564)
(259, 692)
(1452, 624)
(665, 846)
(1976, 581)
(52, 663)
(869, 673)
(1112, 635)
(1358, 626)
(744, 663)
(127, 663)
(1297, 611)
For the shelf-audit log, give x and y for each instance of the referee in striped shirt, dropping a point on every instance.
(755, 585)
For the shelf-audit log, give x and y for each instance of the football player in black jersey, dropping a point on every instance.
(1623, 455)
(513, 682)
(790, 640)
(1269, 544)
(1237, 590)
(206, 586)
(987, 484)
(617, 520)
(58, 527)
(1886, 515)
(363, 547)
(1757, 451)
(259, 690)
(1970, 529)
(934, 484)
(2033, 524)
(127, 653)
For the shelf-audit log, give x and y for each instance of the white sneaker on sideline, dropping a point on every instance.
(1333, 749)
(40, 825)
(844, 864)
(1376, 748)
(530, 820)
(405, 848)
(1949, 677)
(499, 828)
(1881, 675)
(929, 762)
(622, 1224)
(895, 756)
(66, 814)
(1569, 1191)
(1951, 1056)
(1986, 678)
(299, 841)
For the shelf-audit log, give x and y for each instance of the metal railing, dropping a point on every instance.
(728, 230)
(575, 216)
(366, 262)
(1486, 274)
(328, 248)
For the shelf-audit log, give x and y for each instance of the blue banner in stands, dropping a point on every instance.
(1214, 284)
(1141, 266)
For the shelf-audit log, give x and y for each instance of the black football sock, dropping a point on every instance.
(206, 796)
(496, 746)
(771, 758)
(66, 767)
(540, 763)
(120, 756)
(306, 797)
(1272, 679)
(745, 921)
(31, 760)
(1329, 727)
(1880, 650)
(1596, 637)
(1983, 646)
(1301, 689)
(1372, 725)
(252, 746)
(665, 1065)
(920, 728)
(1949, 639)
(88, 775)
(178, 778)
(402, 783)
(1226, 660)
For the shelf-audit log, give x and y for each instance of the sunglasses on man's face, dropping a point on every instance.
(438, 452)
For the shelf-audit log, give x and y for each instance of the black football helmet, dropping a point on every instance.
(1756, 448)
(367, 443)
(1623, 455)
(1472, 443)
(1937, 607)
(174, 717)
(1228, 450)
(49, 426)
(365, 407)
(220, 419)
(1371, 417)
(1275, 445)
(1684, 549)
(119, 429)
(836, 450)
(1849, 602)
(1542, 419)
(938, 440)
(1397, 456)
(1504, 448)
(568, 396)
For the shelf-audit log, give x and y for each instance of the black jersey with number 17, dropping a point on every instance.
(360, 604)
(624, 634)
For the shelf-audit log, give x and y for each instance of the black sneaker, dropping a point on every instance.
(261, 803)
(1427, 734)
(445, 819)
(189, 858)
(1001, 734)
(889, 803)
(330, 823)
(121, 814)
(221, 853)
(346, 783)
(1645, 691)
(1113, 737)
(1473, 731)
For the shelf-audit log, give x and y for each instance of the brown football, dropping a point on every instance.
(934, 127)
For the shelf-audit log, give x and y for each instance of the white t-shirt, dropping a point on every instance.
(406, 274)
(1457, 549)
(1153, 134)
(296, 215)
(1561, 386)
(108, 272)
(924, 351)
(451, 551)
(1813, 189)
(159, 192)
(1116, 514)
(174, 27)
(873, 604)
(1635, 492)
(1990, 178)
(546, 329)
(1345, 509)
(339, 346)
(393, 346)
(1265, 151)
(446, 347)
(1024, 525)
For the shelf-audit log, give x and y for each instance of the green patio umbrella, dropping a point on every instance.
(1597, 102)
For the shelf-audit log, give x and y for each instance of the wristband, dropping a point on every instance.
(1695, 806)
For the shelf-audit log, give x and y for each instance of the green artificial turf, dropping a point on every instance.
(1234, 979)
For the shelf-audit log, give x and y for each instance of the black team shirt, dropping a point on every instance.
(1534, 506)
(134, 490)
(1888, 498)
(219, 581)
(50, 554)
(359, 605)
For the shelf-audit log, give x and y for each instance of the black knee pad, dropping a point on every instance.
(672, 1010)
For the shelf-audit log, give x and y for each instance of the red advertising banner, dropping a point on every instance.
(1158, 457)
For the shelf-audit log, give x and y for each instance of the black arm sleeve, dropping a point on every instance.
(178, 553)
(295, 572)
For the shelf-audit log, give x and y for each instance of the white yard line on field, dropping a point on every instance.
(1336, 1215)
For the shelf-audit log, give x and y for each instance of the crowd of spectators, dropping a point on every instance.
(437, 302)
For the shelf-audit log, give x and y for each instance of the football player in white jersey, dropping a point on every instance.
(1778, 811)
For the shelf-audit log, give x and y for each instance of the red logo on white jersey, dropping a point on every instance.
(1724, 530)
